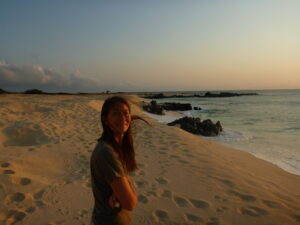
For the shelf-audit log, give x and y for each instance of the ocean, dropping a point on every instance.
(266, 125)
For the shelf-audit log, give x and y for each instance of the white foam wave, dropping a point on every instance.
(167, 118)
(229, 136)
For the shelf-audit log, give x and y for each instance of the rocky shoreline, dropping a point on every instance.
(206, 95)
(196, 126)
(159, 108)
(190, 124)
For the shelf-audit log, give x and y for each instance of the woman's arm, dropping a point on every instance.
(131, 185)
(124, 192)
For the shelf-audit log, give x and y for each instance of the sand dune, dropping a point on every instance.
(46, 142)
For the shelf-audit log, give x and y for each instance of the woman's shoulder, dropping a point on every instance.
(103, 149)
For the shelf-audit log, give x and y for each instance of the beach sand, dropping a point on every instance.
(46, 143)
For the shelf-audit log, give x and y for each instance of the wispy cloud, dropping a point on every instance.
(19, 78)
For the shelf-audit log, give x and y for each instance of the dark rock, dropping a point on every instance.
(154, 108)
(161, 95)
(176, 106)
(197, 108)
(226, 94)
(153, 103)
(195, 126)
(209, 128)
(219, 126)
(34, 91)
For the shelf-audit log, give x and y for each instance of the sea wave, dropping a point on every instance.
(230, 136)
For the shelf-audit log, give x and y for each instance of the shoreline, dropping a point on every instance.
(173, 115)
(227, 139)
(162, 120)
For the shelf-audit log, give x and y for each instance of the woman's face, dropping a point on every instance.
(119, 118)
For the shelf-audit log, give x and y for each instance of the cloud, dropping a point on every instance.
(19, 78)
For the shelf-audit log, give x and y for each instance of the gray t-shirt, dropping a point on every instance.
(105, 167)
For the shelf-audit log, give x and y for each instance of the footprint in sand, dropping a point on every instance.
(39, 203)
(141, 184)
(143, 199)
(25, 181)
(253, 211)
(18, 197)
(161, 180)
(217, 197)
(39, 194)
(181, 202)
(213, 221)
(296, 217)
(161, 215)
(193, 218)
(163, 193)
(199, 204)
(15, 216)
(8, 172)
(244, 197)
(31, 209)
(167, 194)
(5, 164)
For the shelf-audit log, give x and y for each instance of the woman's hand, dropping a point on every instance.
(113, 201)
(124, 193)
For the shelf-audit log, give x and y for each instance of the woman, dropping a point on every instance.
(111, 160)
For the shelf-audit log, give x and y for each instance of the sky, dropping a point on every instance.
(166, 45)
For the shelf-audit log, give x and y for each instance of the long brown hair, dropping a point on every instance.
(126, 151)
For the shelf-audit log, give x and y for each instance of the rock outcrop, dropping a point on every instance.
(176, 106)
(154, 108)
(195, 126)
(34, 91)
(158, 108)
